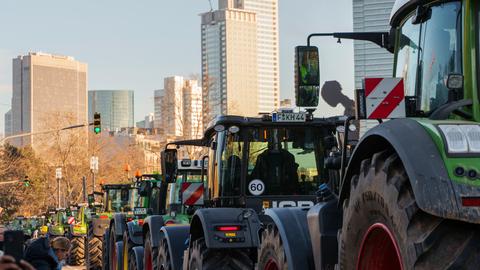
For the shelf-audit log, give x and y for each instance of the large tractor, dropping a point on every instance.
(77, 234)
(409, 197)
(254, 163)
(168, 210)
(114, 198)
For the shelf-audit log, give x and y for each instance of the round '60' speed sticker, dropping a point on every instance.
(256, 187)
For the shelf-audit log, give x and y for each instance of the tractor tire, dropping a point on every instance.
(94, 252)
(105, 251)
(164, 261)
(150, 254)
(208, 259)
(383, 227)
(271, 253)
(127, 249)
(77, 251)
(132, 262)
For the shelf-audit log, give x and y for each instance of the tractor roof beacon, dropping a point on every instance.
(410, 191)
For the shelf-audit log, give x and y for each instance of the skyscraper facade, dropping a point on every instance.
(267, 51)
(116, 108)
(8, 123)
(178, 108)
(49, 91)
(371, 60)
(229, 87)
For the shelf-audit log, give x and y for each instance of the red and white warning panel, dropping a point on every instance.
(71, 220)
(192, 193)
(384, 98)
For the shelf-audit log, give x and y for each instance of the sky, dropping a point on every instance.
(135, 44)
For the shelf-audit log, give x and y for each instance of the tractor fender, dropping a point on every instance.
(434, 192)
(205, 221)
(118, 221)
(99, 226)
(176, 237)
(138, 253)
(153, 224)
(134, 232)
(292, 226)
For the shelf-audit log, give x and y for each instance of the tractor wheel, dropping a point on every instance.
(383, 228)
(132, 262)
(208, 259)
(127, 249)
(112, 249)
(271, 253)
(164, 261)
(77, 251)
(150, 254)
(105, 251)
(94, 252)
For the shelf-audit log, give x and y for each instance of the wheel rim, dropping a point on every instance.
(148, 259)
(114, 257)
(271, 265)
(379, 250)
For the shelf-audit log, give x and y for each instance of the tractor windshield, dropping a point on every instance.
(429, 52)
(121, 200)
(283, 161)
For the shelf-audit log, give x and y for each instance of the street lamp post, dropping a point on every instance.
(58, 175)
(93, 169)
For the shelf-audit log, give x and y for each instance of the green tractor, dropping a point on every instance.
(164, 207)
(114, 198)
(59, 223)
(77, 234)
(409, 196)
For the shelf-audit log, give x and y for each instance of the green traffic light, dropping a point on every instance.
(96, 130)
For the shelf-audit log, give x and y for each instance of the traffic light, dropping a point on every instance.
(96, 123)
(26, 181)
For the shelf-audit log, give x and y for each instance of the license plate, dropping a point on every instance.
(140, 211)
(289, 117)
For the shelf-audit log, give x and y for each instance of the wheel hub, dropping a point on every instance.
(379, 250)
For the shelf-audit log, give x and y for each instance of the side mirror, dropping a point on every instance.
(307, 76)
(169, 164)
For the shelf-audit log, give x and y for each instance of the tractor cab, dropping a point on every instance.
(272, 161)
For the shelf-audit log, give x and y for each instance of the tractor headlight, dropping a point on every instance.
(461, 139)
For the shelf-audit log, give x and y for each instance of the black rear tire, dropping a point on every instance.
(381, 194)
(77, 251)
(150, 254)
(94, 252)
(271, 251)
(202, 258)
(132, 262)
(164, 261)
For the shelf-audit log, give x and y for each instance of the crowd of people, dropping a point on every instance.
(43, 253)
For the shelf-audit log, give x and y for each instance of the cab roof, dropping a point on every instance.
(402, 8)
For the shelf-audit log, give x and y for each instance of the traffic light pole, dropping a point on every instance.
(93, 179)
(58, 192)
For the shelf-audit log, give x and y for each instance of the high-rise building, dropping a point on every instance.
(229, 87)
(267, 51)
(116, 108)
(157, 104)
(8, 123)
(192, 109)
(178, 108)
(49, 91)
(371, 60)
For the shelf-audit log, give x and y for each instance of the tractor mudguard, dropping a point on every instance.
(135, 233)
(324, 221)
(176, 237)
(292, 226)
(154, 224)
(138, 253)
(434, 192)
(99, 225)
(118, 221)
(206, 222)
